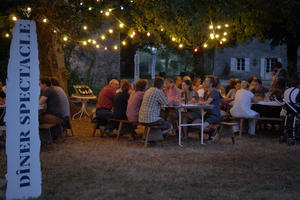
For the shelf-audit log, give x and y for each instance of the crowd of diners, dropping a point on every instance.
(138, 103)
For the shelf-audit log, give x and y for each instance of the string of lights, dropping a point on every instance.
(217, 33)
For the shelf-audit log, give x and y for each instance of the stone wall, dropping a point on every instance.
(255, 51)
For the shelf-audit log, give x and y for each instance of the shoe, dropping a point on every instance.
(101, 131)
(251, 135)
(213, 135)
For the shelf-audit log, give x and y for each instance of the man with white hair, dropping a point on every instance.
(105, 100)
(242, 107)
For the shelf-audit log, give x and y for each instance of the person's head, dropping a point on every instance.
(187, 78)
(54, 81)
(217, 83)
(44, 83)
(245, 85)
(158, 82)
(168, 83)
(186, 85)
(231, 82)
(197, 82)
(237, 85)
(141, 85)
(255, 84)
(178, 81)
(114, 83)
(210, 82)
(277, 65)
(125, 85)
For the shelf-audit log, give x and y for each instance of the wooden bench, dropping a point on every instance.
(241, 119)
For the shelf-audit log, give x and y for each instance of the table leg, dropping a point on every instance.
(82, 110)
(202, 126)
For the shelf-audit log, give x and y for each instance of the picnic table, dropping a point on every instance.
(181, 107)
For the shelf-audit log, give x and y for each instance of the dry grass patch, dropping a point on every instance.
(86, 167)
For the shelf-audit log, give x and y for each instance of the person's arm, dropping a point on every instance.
(42, 100)
(162, 99)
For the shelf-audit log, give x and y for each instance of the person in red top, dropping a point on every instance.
(105, 100)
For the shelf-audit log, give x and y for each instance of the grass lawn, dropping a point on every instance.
(85, 167)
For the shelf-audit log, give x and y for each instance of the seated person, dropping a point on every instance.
(63, 100)
(231, 84)
(170, 90)
(150, 109)
(188, 95)
(135, 100)
(241, 107)
(197, 84)
(54, 113)
(120, 105)
(211, 97)
(258, 90)
(232, 92)
(105, 102)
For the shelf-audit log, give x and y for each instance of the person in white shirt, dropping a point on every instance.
(241, 107)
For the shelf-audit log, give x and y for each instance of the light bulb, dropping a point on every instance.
(219, 27)
(173, 39)
(217, 35)
(212, 36)
(148, 34)
(28, 9)
(105, 48)
(195, 50)
(121, 25)
(65, 38)
(211, 26)
(94, 42)
(90, 8)
(103, 37)
(109, 10)
(115, 47)
(89, 40)
(124, 43)
(97, 46)
(181, 45)
(84, 27)
(14, 18)
(224, 39)
(110, 30)
(84, 43)
(7, 35)
(226, 25)
(107, 13)
(45, 20)
(205, 45)
(225, 33)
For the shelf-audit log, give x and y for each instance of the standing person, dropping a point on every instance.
(279, 73)
(211, 97)
(241, 107)
(135, 100)
(105, 101)
(150, 109)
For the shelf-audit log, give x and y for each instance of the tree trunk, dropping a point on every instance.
(198, 64)
(292, 50)
(51, 55)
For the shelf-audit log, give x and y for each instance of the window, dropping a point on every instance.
(269, 64)
(240, 65)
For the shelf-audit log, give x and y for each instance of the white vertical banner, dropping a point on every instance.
(22, 94)
(136, 67)
(153, 62)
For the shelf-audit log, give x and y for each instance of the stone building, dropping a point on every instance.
(251, 59)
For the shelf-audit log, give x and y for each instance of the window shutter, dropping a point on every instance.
(262, 68)
(279, 60)
(247, 64)
(233, 64)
